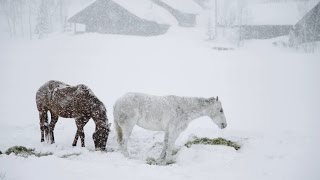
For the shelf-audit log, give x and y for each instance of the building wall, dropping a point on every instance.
(264, 31)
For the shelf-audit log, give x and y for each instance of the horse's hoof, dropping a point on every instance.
(42, 140)
(126, 154)
(100, 149)
(74, 145)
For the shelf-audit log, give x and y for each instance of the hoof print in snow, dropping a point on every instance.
(70, 155)
(215, 141)
(25, 152)
(222, 48)
(159, 162)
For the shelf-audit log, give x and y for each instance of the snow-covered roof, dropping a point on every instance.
(186, 6)
(146, 9)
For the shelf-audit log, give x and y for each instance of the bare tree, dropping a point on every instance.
(242, 17)
(42, 27)
(4, 7)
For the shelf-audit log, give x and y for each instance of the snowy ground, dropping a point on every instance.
(270, 97)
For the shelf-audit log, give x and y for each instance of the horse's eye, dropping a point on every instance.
(221, 110)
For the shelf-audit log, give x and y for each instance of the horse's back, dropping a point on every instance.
(133, 100)
(142, 102)
(125, 105)
(149, 111)
(43, 93)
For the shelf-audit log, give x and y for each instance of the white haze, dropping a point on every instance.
(270, 96)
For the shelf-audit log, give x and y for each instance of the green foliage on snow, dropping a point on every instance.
(20, 150)
(151, 161)
(215, 141)
(25, 152)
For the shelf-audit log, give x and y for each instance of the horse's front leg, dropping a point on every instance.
(54, 120)
(165, 145)
(82, 135)
(174, 129)
(80, 122)
(75, 139)
(171, 144)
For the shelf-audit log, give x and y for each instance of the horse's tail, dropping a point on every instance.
(119, 132)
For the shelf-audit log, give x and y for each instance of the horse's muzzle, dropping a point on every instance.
(223, 125)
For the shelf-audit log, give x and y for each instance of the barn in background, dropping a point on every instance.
(268, 20)
(107, 16)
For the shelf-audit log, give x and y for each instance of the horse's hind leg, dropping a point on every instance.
(43, 124)
(82, 136)
(54, 120)
(126, 132)
(80, 122)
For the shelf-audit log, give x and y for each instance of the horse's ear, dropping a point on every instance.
(217, 98)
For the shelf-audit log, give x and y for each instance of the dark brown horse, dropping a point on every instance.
(79, 102)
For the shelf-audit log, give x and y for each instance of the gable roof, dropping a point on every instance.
(148, 10)
(100, 9)
(185, 6)
(313, 15)
(143, 9)
(308, 28)
(76, 8)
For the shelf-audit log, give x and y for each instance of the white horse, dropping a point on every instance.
(171, 114)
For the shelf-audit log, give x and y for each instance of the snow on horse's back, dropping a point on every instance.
(171, 114)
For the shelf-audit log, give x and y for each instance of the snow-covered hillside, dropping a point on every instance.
(270, 97)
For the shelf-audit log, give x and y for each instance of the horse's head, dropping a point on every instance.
(215, 112)
(99, 115)
(100, 137)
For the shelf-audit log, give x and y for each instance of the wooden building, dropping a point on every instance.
(263, 31)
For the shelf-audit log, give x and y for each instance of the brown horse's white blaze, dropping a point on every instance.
(79, 102)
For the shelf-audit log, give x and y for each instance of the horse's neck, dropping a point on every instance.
(100, 118)
(194, 108)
